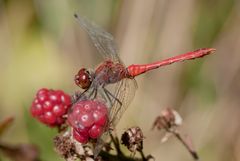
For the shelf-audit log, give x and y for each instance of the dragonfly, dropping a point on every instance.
(112, 71)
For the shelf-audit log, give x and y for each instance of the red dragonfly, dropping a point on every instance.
(113, 71)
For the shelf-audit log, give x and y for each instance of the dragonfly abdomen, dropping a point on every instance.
(135, 70)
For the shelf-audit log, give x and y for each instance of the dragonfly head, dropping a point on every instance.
(84, 78)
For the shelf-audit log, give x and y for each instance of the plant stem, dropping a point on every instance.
(189, 148)
(142, 155)
(116, 144)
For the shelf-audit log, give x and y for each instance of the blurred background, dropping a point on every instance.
(42, 45)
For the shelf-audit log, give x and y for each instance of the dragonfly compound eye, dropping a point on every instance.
(83, 78)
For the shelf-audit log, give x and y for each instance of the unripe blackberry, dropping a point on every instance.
(88, 119)
(49, 106)
(80, 137)
(95, 131)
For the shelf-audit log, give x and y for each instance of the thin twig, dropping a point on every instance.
(189, 148)
(116, 144)
(143, 156)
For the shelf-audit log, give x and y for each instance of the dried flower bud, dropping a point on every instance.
(133, 139)
(84, 151)
(168, 119)
(65, 147)
(72, 150)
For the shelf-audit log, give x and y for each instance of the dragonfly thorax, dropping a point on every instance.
(109, 72)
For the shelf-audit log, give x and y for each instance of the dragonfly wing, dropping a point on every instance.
(102, 40)
(101, 143)
(124, 92)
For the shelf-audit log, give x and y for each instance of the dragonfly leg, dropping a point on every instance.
(78, 96)
(95, 93)
(75, 97)
(108, 94)
(107, 98)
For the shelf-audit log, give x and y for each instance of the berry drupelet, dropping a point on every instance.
(49, 106)
(88, 119)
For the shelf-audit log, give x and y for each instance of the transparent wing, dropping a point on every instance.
(124, 92)
(102, 40)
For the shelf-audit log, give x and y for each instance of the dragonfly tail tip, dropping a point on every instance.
(211, 50)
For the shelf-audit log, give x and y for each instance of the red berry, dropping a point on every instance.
(100, 106)
(49, 118)
(42, 119)
(59, 110)
(42, 97)
(82, 130)
(59, 121)
(36, 109)
(99, 117)
(88, 107)
(88, 118)
(65, 99)
(54, 97)
(42, 91)
(49, 106)
(79, 137)
(82, 113)
(102, 121)
(95, 131)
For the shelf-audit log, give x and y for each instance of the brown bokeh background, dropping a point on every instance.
(41, 45)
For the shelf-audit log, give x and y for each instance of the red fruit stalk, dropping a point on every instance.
(88, 119)
(49, 106)
(134, 70)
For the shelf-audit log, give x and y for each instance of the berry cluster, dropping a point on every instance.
(88, 119)
(49, 106)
